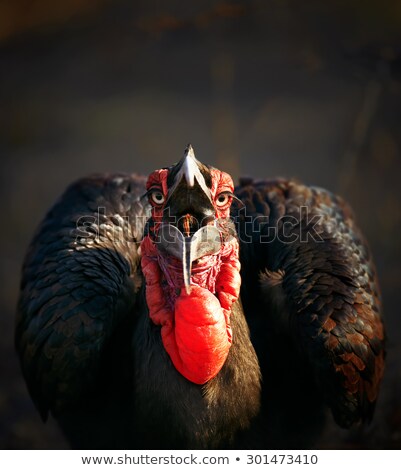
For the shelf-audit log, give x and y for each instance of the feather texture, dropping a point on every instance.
(317, 272)
(307, 330)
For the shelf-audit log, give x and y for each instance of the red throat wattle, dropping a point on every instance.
(195, 326)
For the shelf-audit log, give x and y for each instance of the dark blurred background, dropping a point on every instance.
(310, 89)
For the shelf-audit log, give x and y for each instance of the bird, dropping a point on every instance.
(179, 311)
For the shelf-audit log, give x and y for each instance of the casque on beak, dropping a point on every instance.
(188, 207)
(188, 169)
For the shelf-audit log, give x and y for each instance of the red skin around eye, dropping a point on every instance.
(158, 179)
(195, 327)
(221, 182)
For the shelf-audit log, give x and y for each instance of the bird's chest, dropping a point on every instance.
(172, 412)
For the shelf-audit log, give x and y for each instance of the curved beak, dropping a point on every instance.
(205, 241)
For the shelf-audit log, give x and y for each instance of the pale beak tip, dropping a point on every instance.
(189, 151)
(189, 168)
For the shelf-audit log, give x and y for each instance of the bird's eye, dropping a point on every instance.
(223, 199)
(157, 197)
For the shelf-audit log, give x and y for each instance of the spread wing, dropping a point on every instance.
(305, 260)
(79, 282)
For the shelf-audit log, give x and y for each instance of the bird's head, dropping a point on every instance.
(190, 213)
(190, 250)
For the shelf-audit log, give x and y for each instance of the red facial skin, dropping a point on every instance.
(195, 327)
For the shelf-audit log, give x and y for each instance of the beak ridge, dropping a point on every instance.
(189, 170)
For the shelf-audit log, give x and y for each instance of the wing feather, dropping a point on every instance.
(80, 279)
(315, 268)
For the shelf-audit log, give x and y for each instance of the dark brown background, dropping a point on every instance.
(309, 89)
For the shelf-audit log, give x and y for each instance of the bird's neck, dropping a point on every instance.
(195, 327)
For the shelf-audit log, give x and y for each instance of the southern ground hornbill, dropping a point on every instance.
(177, 312)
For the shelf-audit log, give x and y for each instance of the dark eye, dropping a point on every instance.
(223, 199)
(157, 197)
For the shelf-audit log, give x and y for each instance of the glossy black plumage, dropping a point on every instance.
(91, 356)
(317, 300)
